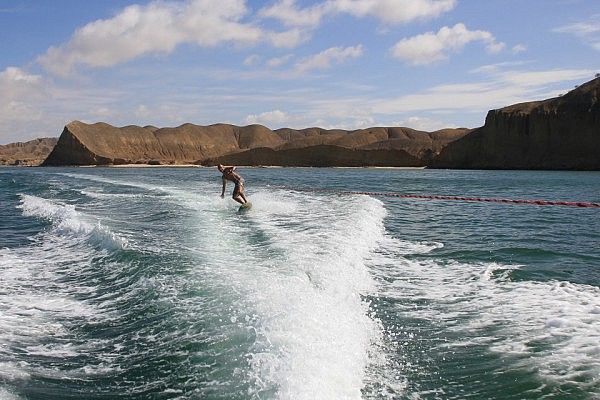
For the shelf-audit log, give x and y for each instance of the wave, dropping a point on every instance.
(549, 327)
(33, 308)
(66, 220)
(297, 263)
(101, 179)
(552, 326)
(5, 394)
(293, 272)
(103, 196)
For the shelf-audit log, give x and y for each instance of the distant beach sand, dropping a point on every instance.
(240, 166)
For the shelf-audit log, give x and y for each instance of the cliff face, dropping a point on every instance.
(320, 156)
(29, 153)
(559, 133)
(103, 144)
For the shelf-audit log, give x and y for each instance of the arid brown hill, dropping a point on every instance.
(103, 144)
(29, 153)
(559, 133)
(315, 147)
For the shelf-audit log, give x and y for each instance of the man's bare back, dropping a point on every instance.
(229, 174)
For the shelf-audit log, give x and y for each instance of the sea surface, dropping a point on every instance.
(142, 283)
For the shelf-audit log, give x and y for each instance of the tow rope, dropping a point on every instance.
(580, 204)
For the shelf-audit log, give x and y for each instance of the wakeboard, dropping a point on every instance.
(245, 207)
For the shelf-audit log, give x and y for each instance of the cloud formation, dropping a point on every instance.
(386, 11)
(324, 59)
(276, 62)
(519, 48)
(588, 31)
(275, 118)
(160, 27)
(424, 124)
(500, 88)
(289, 14)
(432, 47)
(18, 89)
(21, 94)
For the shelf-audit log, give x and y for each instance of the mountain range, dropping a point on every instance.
(557, 133)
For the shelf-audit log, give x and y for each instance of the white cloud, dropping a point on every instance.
(287, 39)
(527, 79)
(21, 92)
(495, 47)
(324, 59)
(252, 60)
(498, 67)
(102, 112)
(348, 123)
(588, 31)
(275, 118)
(329, 110)
(19, 89)
(290, 14)
(142, 111)
(500, 88)
(431, 47)
(424, 124)
(335, 113)
(519, 48)
(387, 11)
(16, 75)
(393, 11)
(159, 27)
(279, 61)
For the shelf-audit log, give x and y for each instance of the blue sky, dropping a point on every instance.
(349, 64)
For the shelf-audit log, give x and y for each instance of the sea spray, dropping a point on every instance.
(306, 295)
(66, 220)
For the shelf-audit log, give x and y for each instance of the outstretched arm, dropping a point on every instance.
(223, 191)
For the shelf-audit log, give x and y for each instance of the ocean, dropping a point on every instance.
(142, 283)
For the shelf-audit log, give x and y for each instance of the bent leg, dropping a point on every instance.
(236, 195)
(243, 195)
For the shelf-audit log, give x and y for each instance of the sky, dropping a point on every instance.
(349, 64)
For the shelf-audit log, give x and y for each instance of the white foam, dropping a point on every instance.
(103, 369)
(6, 394)
(391, 247)
(101, 179)
(33, 307)
(550, 327)
(297, 261)
(558, 315)
(104, 196)
(11, 371)
(66, 220)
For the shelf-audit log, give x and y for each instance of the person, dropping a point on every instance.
(229, 174)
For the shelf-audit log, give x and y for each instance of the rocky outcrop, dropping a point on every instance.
(103, 144)
(31, 153)
(320, 156)
(315, 147)
(559, 133)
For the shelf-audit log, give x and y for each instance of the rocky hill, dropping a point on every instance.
(558, 133)
(103, 144)
(26, 153)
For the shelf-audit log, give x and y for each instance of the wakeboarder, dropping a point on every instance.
(230, 174)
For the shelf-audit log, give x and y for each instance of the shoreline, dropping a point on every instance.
(239, 166)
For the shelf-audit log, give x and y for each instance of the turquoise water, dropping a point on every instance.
(145, 284)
